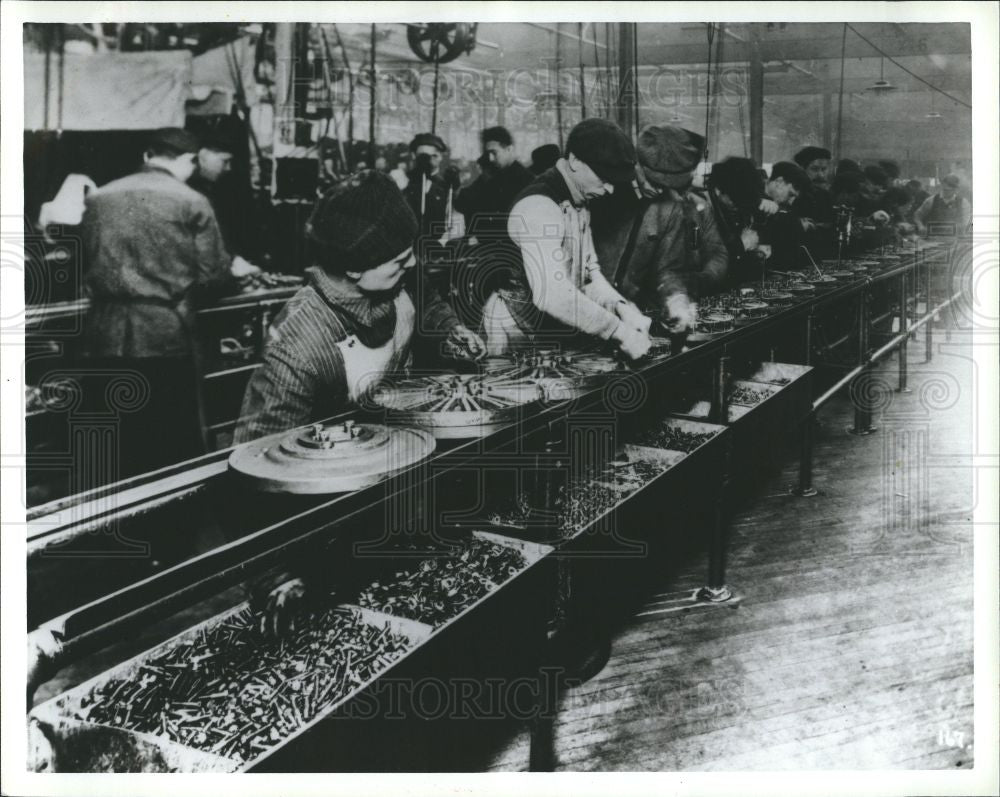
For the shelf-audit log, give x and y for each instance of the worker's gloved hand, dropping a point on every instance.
(631, 342)
(631, 315)
(680, 314)
(283, 605)
(463, 342)
(452, 177)
(750, 239)
(243, 268)
(768, 207)
(880, 217)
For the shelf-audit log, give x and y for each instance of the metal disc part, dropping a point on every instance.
(335, 458)
(457, 406)
(563, 374)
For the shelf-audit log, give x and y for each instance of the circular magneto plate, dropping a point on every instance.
(778, 298)
(457, 406)
(567, 373)
(336, 458)
(753, 308)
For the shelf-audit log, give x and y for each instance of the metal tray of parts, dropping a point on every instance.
(61, 742)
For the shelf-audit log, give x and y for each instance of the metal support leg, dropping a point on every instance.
(716, 591)
(928, 304)
(541, 745)
(904, 324)
(719, 412)
(805, 487)
(860, 388)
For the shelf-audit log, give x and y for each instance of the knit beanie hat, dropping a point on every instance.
(360, 223)
(605, 148)
(739, 179)
(544, 157)
(669, 155)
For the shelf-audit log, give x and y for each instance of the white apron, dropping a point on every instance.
(364, 366)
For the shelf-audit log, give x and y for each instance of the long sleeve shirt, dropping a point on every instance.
(153, 249)
(560, 275)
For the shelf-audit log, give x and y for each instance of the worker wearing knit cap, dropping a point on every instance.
(556, 289)
(351, 324)
(663, 251)
(353, 320)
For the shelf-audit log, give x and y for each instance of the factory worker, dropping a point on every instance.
(556, 290)
(353, 320)
(663, 251)
(154, 252)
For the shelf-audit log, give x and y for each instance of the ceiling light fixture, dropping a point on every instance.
(881, 86)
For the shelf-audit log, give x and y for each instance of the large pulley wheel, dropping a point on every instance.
(335, 458)
(457, 406)
(441, 42)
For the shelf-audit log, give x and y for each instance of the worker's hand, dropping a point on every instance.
(631, 342)
(808, 225)
(680, 313)
(631, 315)
(243, 268)
(645, 188)
(768, 207)
(452, 177)
(880, 217)
(43, 654)
(283, 605)
(764, 250)
(463, 342)
(750, 239)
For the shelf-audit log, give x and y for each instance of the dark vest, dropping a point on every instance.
(943, 216)
(517, 293)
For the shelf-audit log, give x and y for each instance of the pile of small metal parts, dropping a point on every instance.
(235, 693)
(674, 439)
(441, 587)
(747, 396)
(583, 500)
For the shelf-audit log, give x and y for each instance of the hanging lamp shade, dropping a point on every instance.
(881, 86)
(933, 114)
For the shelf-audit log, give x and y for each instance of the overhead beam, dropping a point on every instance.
(801, 50)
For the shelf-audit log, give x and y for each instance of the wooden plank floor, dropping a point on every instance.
(852, 648)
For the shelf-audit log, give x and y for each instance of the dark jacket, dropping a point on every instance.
(743, 265)
(677, 248)
(434, 218)
(154, 251)
(486, 202)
